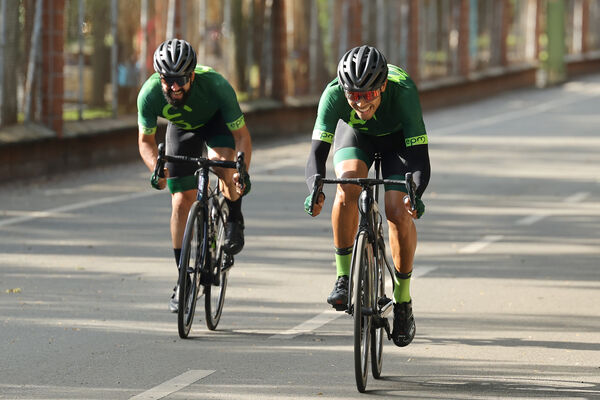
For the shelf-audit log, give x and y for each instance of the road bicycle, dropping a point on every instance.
(367, 300)
(204, 266)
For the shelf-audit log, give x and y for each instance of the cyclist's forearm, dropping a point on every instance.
(243, 143)
(418, 163)
(317, 160)
(148, 150)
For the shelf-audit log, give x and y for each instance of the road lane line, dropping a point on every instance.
(173, 385)
(72, 207)
(480, 244)
(309, 325)
(577, 197)
(533, 218)
(330, 315)
(510, 115)
(420, 271)
(33, 215)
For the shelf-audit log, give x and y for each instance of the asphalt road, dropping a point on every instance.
(506, 290)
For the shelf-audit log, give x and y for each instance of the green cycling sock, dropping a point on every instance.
(343, 257)
(402, 287)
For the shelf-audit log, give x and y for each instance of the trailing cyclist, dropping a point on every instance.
(372, 107)
(202, 111)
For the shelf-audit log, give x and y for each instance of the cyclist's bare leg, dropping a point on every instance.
(344, 215)
(225, 174)
(402, 231)
(181, 203)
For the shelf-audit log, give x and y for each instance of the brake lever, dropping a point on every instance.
(316, 191)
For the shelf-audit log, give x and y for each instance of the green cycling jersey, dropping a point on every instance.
(210, 92)
(400, 110)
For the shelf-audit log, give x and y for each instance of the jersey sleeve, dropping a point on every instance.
(327, 117)
(230, 108)
(412, 117)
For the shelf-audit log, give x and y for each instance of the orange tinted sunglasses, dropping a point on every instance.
(369, 95)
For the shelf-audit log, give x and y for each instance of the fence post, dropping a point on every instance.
(279, 50)
(413, 40)
(53, 64)
(464, 38)
(555, 28)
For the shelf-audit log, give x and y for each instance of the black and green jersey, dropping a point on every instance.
(210, 92)
(399, 111)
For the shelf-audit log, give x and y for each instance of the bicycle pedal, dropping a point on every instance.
(385, 306)
(227, 262)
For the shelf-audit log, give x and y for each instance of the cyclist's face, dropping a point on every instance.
(175, 91)
(365, 109)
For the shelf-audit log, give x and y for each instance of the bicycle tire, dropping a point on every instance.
(362, 302)
(189, 273)
(378, 333)
(214, 294)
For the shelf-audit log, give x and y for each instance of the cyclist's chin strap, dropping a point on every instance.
(401, 275)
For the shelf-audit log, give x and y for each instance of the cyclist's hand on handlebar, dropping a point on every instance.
(242, 186)
(157, 182)
(419, 209)
(317, 207)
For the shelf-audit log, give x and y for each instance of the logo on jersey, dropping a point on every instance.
(237, 124)
(172, 117)
(323, 136)
(396, 74)
(355, 120)
(416, 140)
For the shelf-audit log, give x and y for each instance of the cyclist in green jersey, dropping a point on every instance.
(202, 112)
(372, 107)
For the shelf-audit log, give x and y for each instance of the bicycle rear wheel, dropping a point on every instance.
(378, 332)
(189, 272)
(215, 292)
(363, 309)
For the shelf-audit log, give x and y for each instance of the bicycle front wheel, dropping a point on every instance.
(189, 269)
(363, 309)
(214, 298)
(379, 332)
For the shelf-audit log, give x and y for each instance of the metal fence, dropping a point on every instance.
(100, 51)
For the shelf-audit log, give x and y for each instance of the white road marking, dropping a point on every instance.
(509, 116)
(309, 325)
(480, 244)
(53, 212)
(330, 315)
(573, 199)
(72, 207)
(173, 385)
(531, 219)
(577, 197)
(420, 271)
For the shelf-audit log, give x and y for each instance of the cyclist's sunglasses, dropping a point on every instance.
(180, 80)
(367, 96)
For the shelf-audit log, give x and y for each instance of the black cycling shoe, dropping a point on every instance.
(174, 301)
(234, 237)
(339, 295)
(404, 324)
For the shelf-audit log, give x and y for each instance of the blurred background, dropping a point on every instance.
(75, 60)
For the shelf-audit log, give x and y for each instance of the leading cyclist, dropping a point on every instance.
(372, 107)
(202, 109)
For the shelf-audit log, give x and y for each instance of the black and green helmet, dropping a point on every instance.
(362, 69)
(174, 57)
